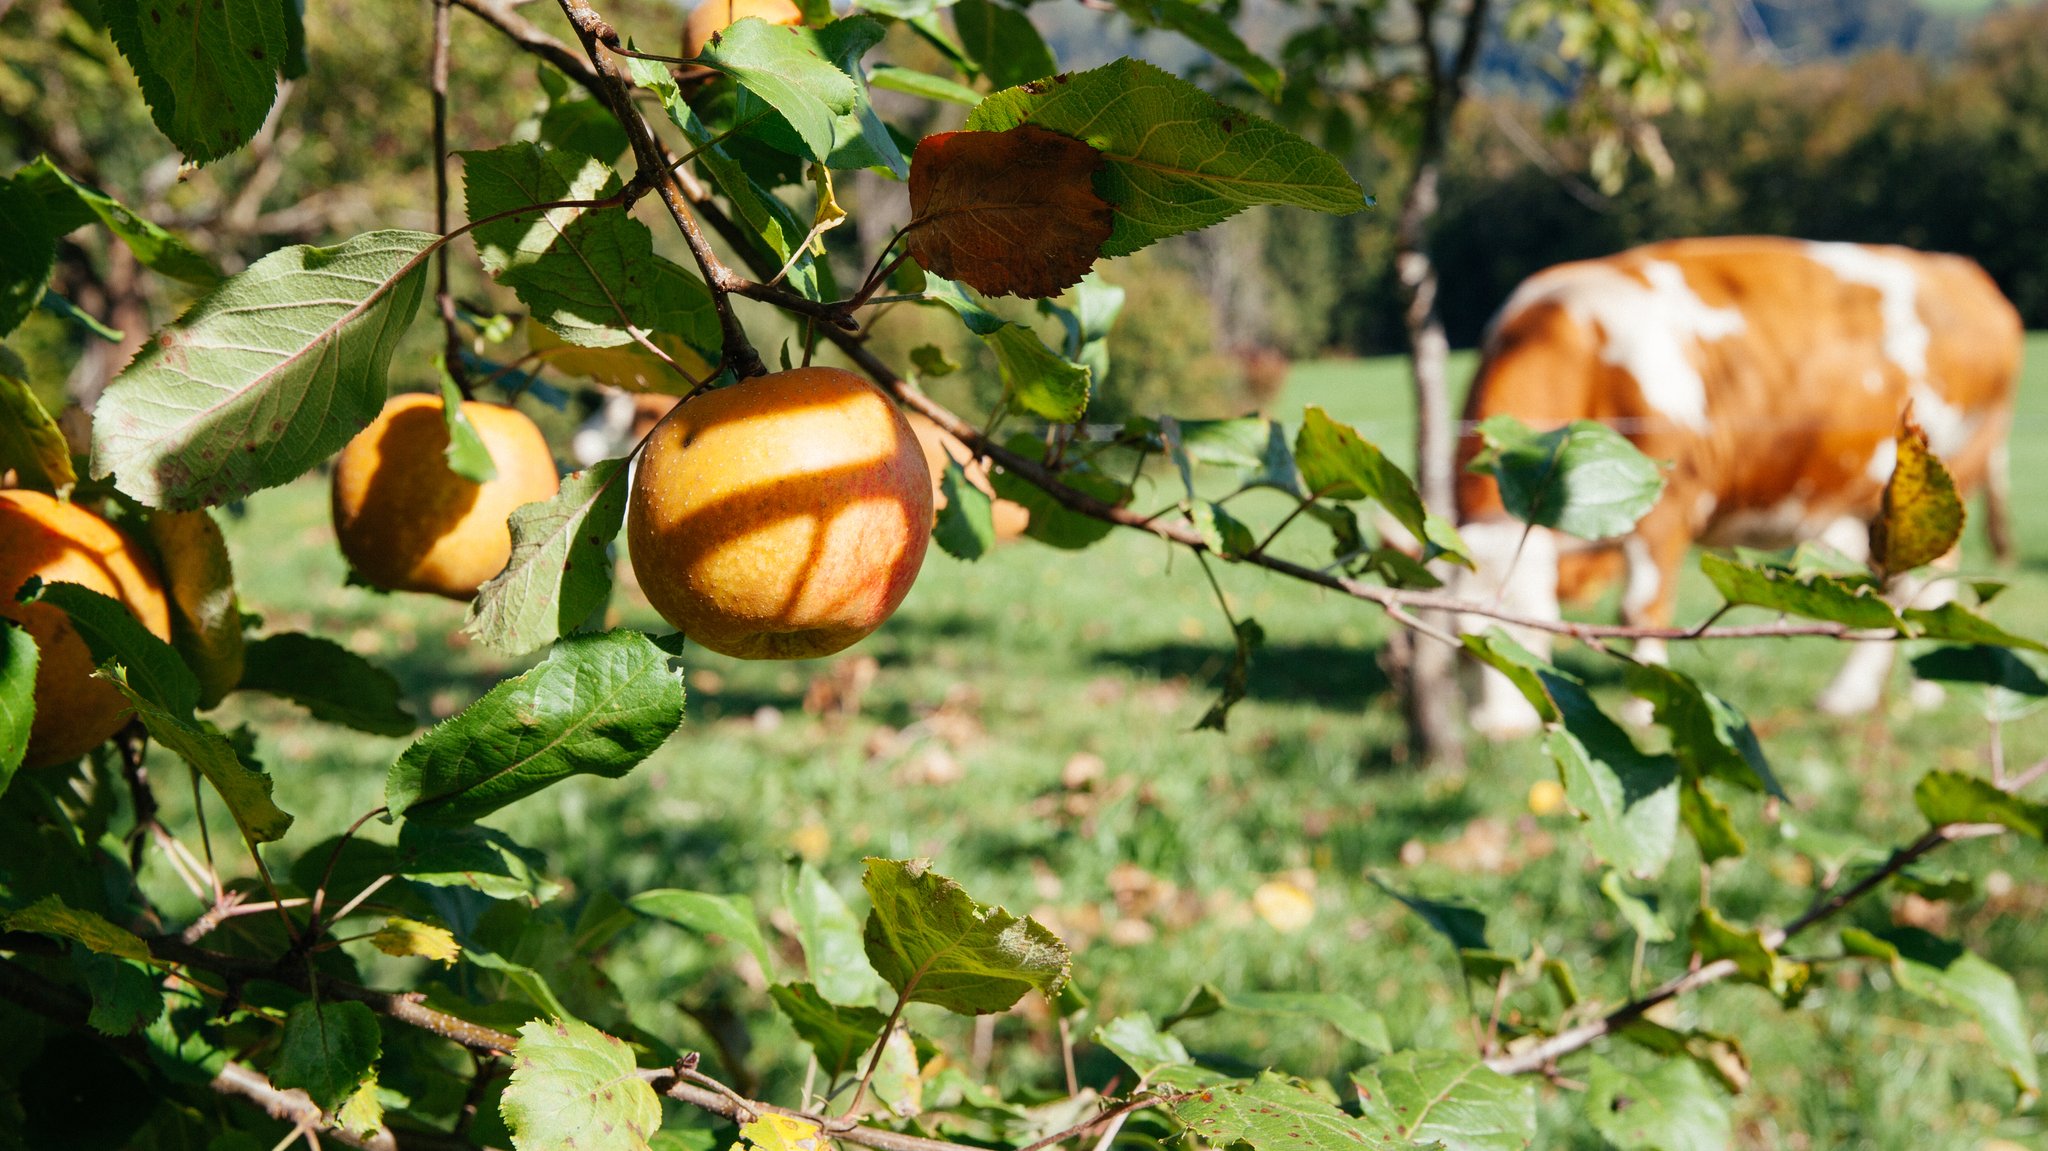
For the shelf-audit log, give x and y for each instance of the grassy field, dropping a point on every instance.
(1029, 730)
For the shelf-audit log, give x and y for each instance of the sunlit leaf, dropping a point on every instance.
(1756, 961)
(1921, 517)
(789, 74)
(1672, 1108)
(49, 916)
(245, 790)
(834, 955)
(935, 944)
(1821, 597)
(404, 937)
(560, 572)
(1448, 1098)
(18, 662)
(1273, 1113)
(1958, 797)
(1137, 1041)
(574, 1087)
(1951, 975)
(1584, 479)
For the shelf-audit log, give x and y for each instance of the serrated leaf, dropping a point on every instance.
(1246, 637)
(1137, 1041)
(1002, 42)
(1010, 213)
(839, 1035)
(966, 527)
(111, 632)
(590, 274)
(1273, 1113)
(126, 996)
(1206, 28)
(934, 944)
(1584, 479)
(1958, 797)
(199, 581)
(404, 937)
(333, 684)
(1921, 516)
(834, 955)
(1957, 623)
(363, 1113)
(208, 71)
(481, 858)
(31, 247)
(1951, 975)
(729, 915)
(1672, 1108)
(1639, 912)
(773, 1132)
(1820, 597)
(859, 138)
(1756, 961)
(560, 572)
(245, 790)
(1708, 735)
(264, 377)
(1338, 463)
(71, 204)
(1035, 377)
(30, 442)
(466, 454)
(328, 1049)
(597, 705)
(1176, 158)
(789, 75)
(573, 1086)
(18, 662)
(1447, 1098)
(50, 916)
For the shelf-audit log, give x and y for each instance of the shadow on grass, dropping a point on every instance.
(1324, 674)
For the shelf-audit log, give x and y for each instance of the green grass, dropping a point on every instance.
(996, 675)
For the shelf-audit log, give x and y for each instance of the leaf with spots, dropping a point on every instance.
(1922, 516)
(573, 1086)
(264, 377)
(560, 573)
(208, 69)
(1822, 597)
(1276, 1113)
(597, 705)
(772, 1132)
(1448, 1098)
(1010, 213)
(935, 944)
(1670, 1108)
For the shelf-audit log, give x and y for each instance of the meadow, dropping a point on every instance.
(1027, 726)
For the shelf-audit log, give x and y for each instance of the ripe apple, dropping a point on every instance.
(407, 522)
(61, 542)
(784, 517)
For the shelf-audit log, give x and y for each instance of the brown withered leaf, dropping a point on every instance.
(1008, 213)
(1922, 516)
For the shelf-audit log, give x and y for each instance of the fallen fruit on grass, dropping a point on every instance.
(408, 522)
(784, 517)
(62, 543)
(1010, 517)
(1546, 796)
(713, 16)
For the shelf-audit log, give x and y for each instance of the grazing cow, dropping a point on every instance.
(1770, 373)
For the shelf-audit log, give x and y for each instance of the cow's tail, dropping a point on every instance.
(1998, 503)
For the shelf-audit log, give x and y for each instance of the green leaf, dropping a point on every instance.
(1716, 1054)
(1337, 463)
(1002, 43)
(245, 790)
(328, 1049)
(1246, 637)
(70, 204)
(1981, 663)
(1820, 597)
(1672, 1108)
(1052, 522)
(524, 979)
(467, 456)
(597, 705)
(1710, 822)
(126, 996)
(1499, 651)
(1584, 479)
(935, 944)
(1137, 1041)
(18, 661)
(1463, 925)
(1708, 735)
(1221, 532)
(589, 274)
(1958, 797)
(481, 858)
(1273, 1113)
(729, 915)
(31, 247)
(573, 1086)
(266, 376)
(860, 139)
(49, 916)
(839, 1035)
(1756, 961)
(1175, 158)
(1639, 912)
(1449, 1098)
(912, 82)
(111, 632)
(30, 442)
(208, 71)
(560, 573)
(1345, 1014)
(966, 528)
(834, 955)
(1949, 974)
(789, 73)
(333, 684)
(1036, 378)
(1952, 621)
(584, 126)
(1208, 29)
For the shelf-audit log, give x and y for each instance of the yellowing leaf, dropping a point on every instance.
(1922, 516)
(1009, 213)
(772, 1132)
(402, 937)
(829, 215)
(201, 583)
(628, 366)
(50, 916)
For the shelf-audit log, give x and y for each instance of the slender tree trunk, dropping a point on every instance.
(1428, 671)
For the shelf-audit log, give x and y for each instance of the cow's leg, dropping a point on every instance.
(1650, 597)
(1859, 684)
(1516, 570)
(1998, 502)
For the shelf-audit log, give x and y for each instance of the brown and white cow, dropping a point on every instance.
(1771, 374)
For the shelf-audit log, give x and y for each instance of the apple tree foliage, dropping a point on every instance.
(166, 1033)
